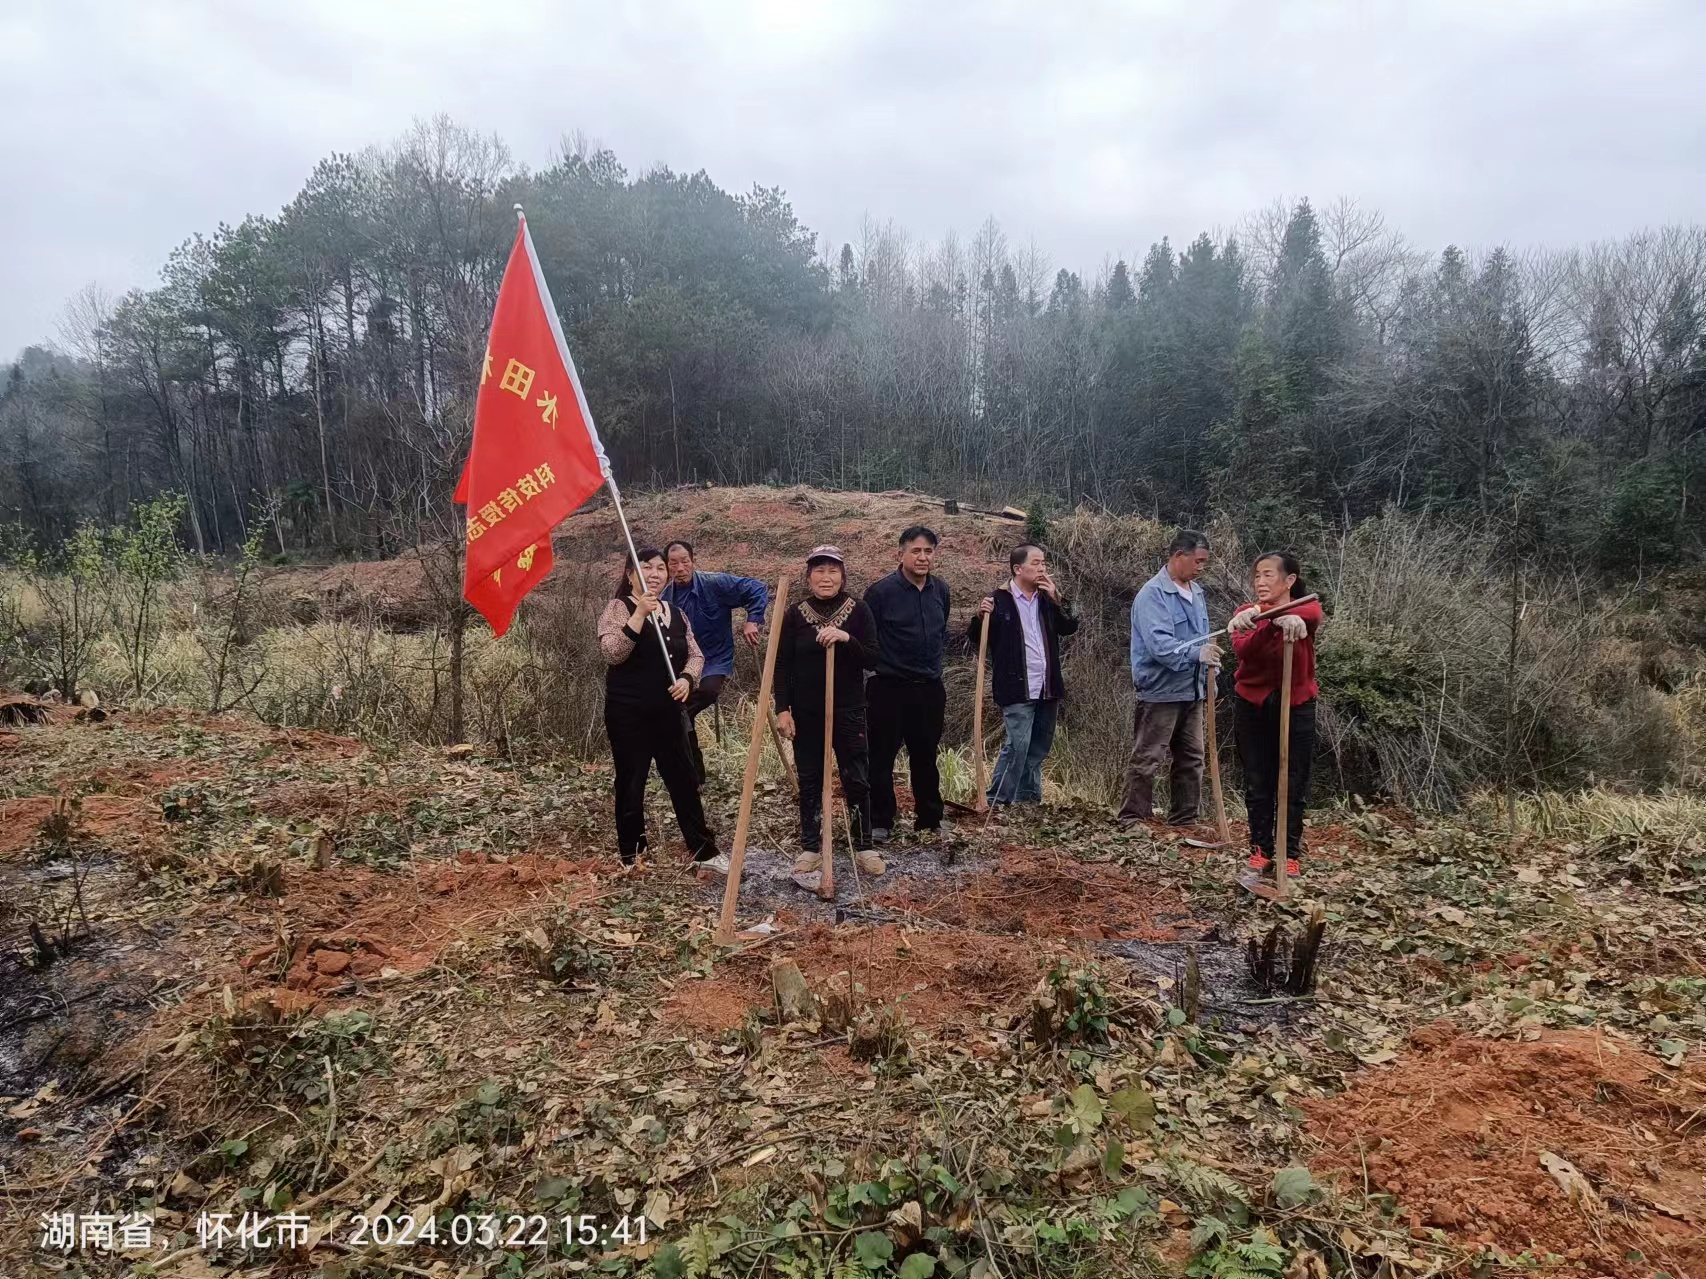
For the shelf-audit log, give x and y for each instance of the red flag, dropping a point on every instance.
(536, 455)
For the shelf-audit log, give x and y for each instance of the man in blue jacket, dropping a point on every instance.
(709, 599)
(1172, 662)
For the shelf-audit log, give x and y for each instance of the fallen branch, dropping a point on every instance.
(316, 1200)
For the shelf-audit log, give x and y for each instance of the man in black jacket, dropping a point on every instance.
(910, 607)
(1026, 619)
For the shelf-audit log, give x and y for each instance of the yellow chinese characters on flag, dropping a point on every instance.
(536, 455)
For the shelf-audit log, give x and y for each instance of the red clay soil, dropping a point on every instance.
(136, 777)
(935, 978)
(1456, 1128)
(764, 531)
(336, 802)
(118, 820)
(351, 922)
(395, 590)
(757, 531)
(1048, 894)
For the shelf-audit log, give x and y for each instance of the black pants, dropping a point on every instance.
(1257, 729)
(639, 737)
(906, 713)
(701, 699)
(852, 761)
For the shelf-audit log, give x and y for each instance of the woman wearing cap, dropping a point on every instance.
(1260, 647)
(642, 708)
(828, 616)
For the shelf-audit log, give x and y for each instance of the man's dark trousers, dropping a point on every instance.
(906, 712)
(700, 699)
(1163, 731)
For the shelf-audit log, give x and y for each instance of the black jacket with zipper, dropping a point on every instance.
(912, 626)
(1008, 683)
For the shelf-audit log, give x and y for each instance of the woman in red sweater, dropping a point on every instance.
(1260, 648)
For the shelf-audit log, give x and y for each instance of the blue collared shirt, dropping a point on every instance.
(1164, 619)
(709, 601)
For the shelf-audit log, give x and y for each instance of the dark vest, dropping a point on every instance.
(643, 680)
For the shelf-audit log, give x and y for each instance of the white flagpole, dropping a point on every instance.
(616, 499)
(586, 416)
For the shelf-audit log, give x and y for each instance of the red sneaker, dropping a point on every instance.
(1292, 868)
(1259, 862)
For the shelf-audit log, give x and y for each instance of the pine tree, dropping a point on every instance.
(1120, 296)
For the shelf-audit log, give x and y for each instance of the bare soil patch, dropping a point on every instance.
(114, 821)
(1048, 893)
(138, 777)
(1461, 1129)
(936, 978)
(345, 923)
(719, 522)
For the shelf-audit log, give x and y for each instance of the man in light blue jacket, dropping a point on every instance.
(1172, 662)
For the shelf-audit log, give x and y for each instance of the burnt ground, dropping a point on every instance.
(58, 1007)
(320, 977)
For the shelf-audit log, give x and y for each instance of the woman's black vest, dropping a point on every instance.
(643, 680)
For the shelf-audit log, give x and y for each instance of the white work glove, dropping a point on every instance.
(1244, 619)
(1292, 626)
(1209, 654)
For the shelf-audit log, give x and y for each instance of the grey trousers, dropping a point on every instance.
(1163, 731)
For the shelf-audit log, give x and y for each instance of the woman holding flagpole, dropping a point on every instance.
(654, 663)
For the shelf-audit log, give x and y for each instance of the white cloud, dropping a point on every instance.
(1089, 128)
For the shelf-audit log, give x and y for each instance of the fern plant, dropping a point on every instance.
(1261, 1256)
(1207, 1189)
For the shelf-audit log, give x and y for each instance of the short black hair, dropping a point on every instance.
(1185, 541)
(917, 531)
(1021, 553)
(686, 546)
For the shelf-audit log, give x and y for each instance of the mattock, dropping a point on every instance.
(980, 804)
(825, 821)
(754, 750)
(1283, 799)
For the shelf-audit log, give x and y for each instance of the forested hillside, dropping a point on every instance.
(312, 917)
(309, 370)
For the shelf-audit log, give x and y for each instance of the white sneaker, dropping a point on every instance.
(718, 865)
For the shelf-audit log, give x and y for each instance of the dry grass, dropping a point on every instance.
(1420, 696)
(1415, 679)
(1668, 817)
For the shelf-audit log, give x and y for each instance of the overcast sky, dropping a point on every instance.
(1088, 128)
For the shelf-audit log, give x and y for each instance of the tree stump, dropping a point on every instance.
(20, 708)
(1190, 989)
(1274, 969)
(794, 999)
(839, 1005)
